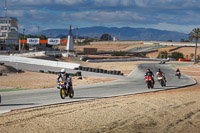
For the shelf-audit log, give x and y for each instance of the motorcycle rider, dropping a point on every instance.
(64, 77)
(161, 73)
(178, 71)
(150, 73)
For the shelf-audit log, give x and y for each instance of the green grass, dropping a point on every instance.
(173, 66)
(12, 89)
(157, 47)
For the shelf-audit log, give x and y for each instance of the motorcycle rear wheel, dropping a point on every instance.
(62, 93)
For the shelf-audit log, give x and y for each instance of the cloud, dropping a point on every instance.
(49, 13)
(174, 27)
(103, 16)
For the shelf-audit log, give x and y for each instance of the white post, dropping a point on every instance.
(19, 46)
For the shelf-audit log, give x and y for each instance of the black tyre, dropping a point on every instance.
(149, 85)
(71, 93)
(62, 93)
(162, 83)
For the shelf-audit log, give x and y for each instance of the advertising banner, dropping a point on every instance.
(33, 41)
(53, 41)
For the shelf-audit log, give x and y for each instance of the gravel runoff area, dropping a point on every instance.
(166, 111)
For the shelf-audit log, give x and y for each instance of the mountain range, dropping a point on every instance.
(125, 33)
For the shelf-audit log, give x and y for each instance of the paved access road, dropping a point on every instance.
(132, 84)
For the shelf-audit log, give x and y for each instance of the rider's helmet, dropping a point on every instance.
(63, 71)
(159, 70)
(148, 70)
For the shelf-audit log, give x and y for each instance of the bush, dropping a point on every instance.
(177, 55)
(163, 54)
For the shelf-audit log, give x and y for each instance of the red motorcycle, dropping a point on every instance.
(149, 81)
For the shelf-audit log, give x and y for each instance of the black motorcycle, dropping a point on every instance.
(178, 74)
(161, 80)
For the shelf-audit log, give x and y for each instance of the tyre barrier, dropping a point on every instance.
(104, 71)
(115, 72)
(42, 71)
(86, 68)
(93, 70)
(90, 69)
(80, 68)
(76, 68)
(20, 71)
(108, 72)
(1, 63)
(97, 70)
(118, 73)
(1, 74)
(78, 73)
(100, 70)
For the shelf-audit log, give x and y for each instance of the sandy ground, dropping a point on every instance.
(167, 111)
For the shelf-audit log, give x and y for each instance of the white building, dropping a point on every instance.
(8, 33)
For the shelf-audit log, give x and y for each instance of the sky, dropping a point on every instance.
(172, 15)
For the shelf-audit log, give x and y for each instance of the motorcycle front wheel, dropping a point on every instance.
(148, 84)
(62, 93)
(71, 93)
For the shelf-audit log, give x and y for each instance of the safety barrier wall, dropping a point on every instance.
(126, 59)
(38, 62)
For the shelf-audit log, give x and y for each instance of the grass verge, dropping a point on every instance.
(12, 89)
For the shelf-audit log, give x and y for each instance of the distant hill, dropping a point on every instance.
(125, 33)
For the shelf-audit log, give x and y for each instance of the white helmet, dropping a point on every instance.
(63, 70)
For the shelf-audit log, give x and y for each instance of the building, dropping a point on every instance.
(79, 40)
(8, 33)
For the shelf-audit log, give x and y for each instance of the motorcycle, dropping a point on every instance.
(149, 81)
(161, 80)
(178, 74)
(66, 89)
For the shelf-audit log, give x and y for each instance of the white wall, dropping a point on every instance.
(39, 62)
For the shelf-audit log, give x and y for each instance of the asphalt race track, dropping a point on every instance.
(133, 84)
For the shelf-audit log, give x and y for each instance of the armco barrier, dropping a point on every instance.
(38, 62)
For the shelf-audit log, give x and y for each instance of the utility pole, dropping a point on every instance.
(23, 47)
